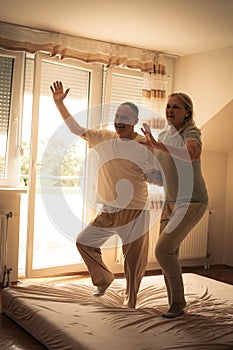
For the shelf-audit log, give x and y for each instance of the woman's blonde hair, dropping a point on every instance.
(188, 105)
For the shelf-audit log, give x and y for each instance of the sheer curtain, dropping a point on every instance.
(154, 94)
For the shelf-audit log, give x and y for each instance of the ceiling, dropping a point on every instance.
(177, 27)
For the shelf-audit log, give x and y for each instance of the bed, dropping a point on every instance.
(66, 316)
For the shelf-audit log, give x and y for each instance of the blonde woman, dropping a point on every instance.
(178, 151)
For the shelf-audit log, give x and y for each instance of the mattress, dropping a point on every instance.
(66, 316)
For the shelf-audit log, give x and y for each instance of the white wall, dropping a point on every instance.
(214, 167)
(10, 202)
(207, 77)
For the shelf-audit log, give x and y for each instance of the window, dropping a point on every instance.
(6, 73)
(11, 72)
(126, 85)
(121, 85)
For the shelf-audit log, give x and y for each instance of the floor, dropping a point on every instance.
(13, 337)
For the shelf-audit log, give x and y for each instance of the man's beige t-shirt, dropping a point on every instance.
(121, 171)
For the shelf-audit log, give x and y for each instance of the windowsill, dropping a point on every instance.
(14, 189)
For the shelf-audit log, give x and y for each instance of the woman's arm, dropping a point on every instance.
(189, 153)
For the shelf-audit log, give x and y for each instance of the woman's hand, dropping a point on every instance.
(58, 92)
(150, 141)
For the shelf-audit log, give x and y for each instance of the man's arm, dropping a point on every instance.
(58, 96)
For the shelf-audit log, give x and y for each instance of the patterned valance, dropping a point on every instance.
(19, 38)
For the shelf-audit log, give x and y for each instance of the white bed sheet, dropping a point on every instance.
(66, 316)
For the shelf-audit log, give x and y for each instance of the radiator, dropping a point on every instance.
(194, 246)
(5, 270)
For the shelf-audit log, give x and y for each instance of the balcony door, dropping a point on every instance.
(59, 166)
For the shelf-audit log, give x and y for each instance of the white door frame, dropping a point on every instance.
(95, 96)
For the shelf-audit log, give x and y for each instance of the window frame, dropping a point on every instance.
(13, 150)
(95, 95)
